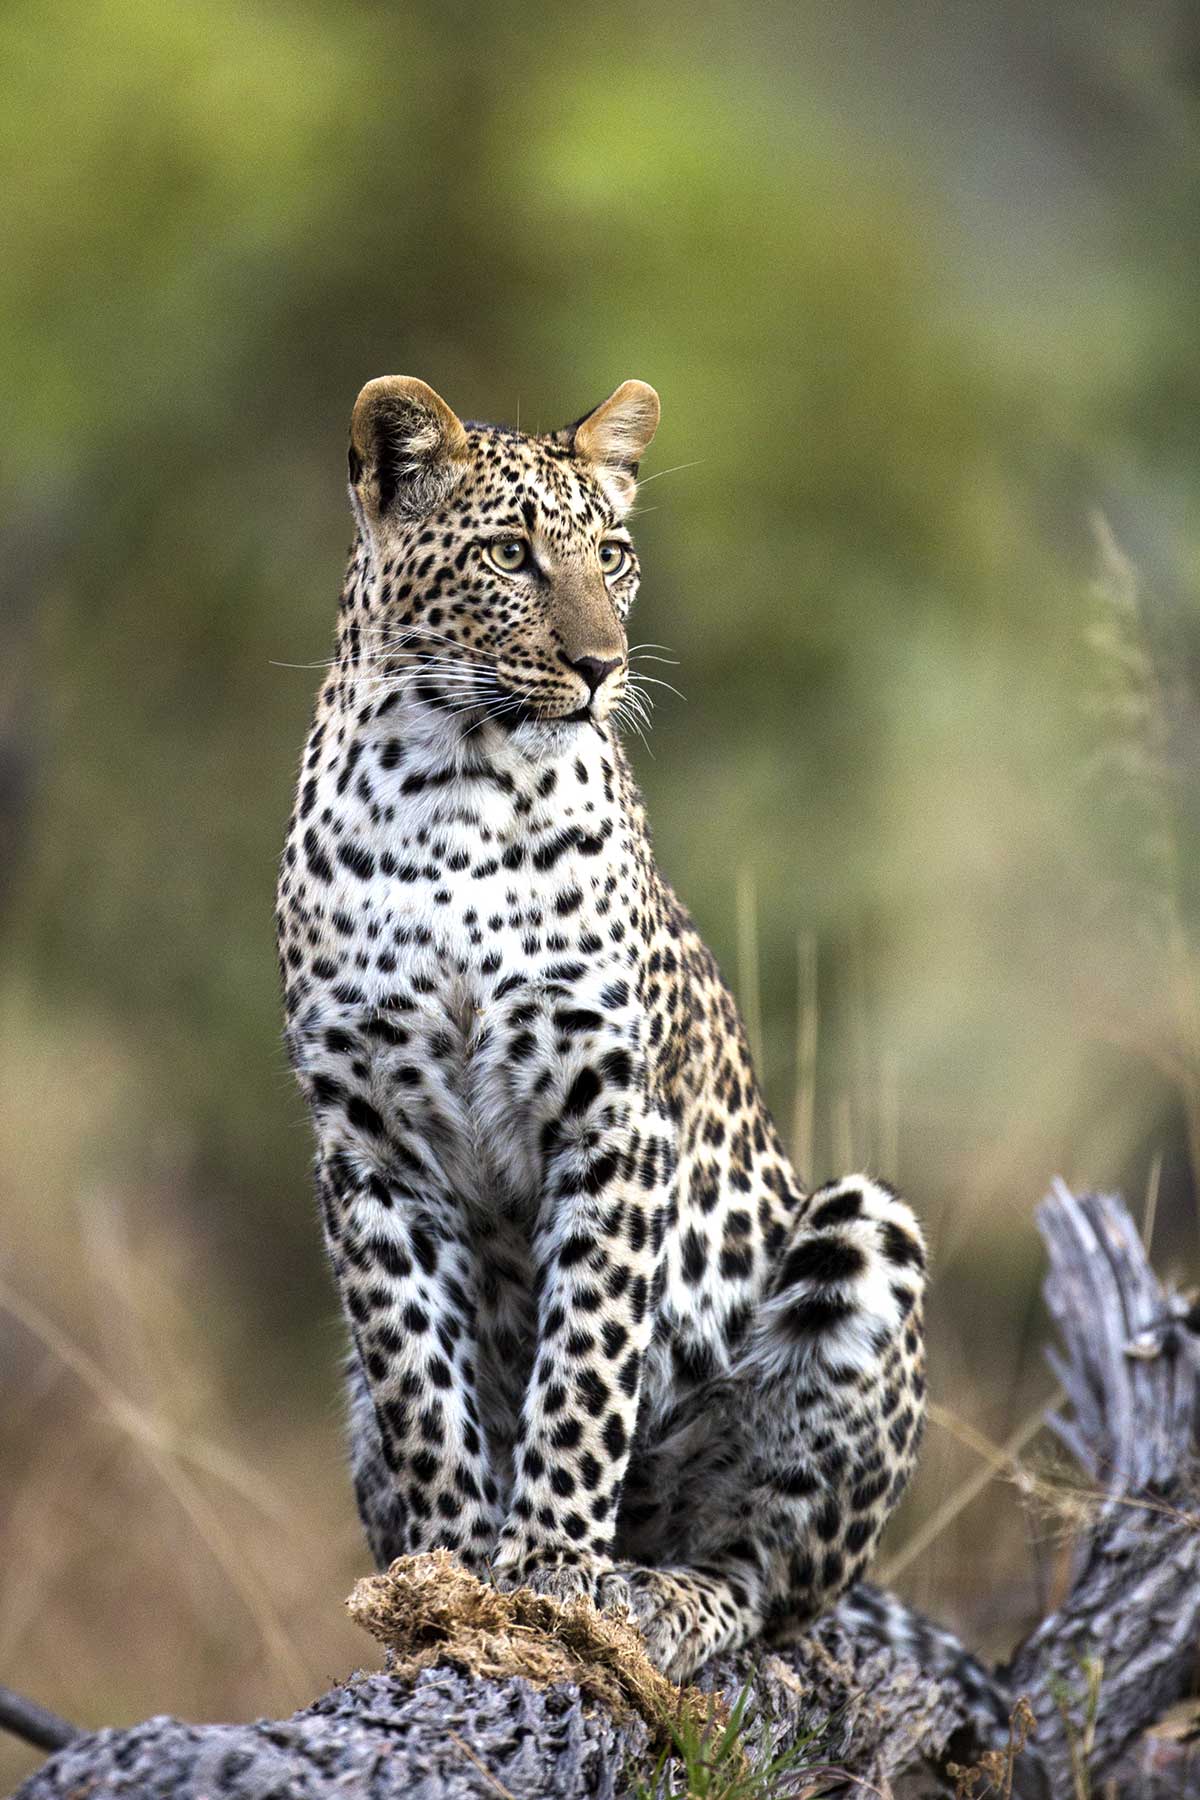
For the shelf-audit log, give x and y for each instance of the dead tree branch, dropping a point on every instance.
(36, 1724)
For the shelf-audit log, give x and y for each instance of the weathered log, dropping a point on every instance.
(1131, 1371)
(1095, 1674)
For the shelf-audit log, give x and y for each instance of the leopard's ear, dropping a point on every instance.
(616, 435)
(408, 450)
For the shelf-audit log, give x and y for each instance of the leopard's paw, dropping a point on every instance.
(670, 1614)
(561, 1571)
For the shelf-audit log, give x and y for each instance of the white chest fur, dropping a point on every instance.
(457, 915)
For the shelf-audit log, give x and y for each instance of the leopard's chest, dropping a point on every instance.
(457, 974)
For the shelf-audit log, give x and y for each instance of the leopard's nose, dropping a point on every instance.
(594, 669)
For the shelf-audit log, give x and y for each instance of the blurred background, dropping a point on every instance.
(919, 289)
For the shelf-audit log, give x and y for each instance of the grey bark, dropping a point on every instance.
(901, 1711)
(1134, 1603)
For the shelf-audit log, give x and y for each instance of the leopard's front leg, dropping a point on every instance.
(607, 1207)
(407, 1280)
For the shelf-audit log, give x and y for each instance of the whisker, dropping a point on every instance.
(508, 703)
(658, 682)
(469, 704)
(626, 718)
(433, 667)
(441, 684)
(443, 672)
(641, 704)
(674, 470)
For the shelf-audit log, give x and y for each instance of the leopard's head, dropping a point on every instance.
(496, 570)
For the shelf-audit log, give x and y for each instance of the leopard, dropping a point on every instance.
(602, 1339)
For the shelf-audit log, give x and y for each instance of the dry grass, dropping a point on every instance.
(994, 1773)
(176, 1532)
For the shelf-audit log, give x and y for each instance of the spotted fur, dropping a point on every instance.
(604, 1342)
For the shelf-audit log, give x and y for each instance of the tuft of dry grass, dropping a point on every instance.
(995, 1769)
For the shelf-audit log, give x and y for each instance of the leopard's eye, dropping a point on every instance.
(508, 554)
(614, 559)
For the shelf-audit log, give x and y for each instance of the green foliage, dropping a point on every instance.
(735, 1761)
(1078, 1710)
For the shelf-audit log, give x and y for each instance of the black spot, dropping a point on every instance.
(618, 1281)
(867, 1493)
(822, 1259)
(600, 1172)
(318, 863)
(858, 1533)
(615, 1436)
(360, 862)
(900, 1430)
(816, 1314)
(424, 1249)
(617, 1068)
(578, 1018)
(592, 1390)
(392, 1257)
(827, 1521)
(582, 1092)
(386, 1031)
(838, 1211)
(901, 1247)
(629, 1375)
(363, 1115)
(833, 1571)
(576, 1249)
(425, 1465)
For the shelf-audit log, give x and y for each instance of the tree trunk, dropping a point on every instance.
(482, 1710)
